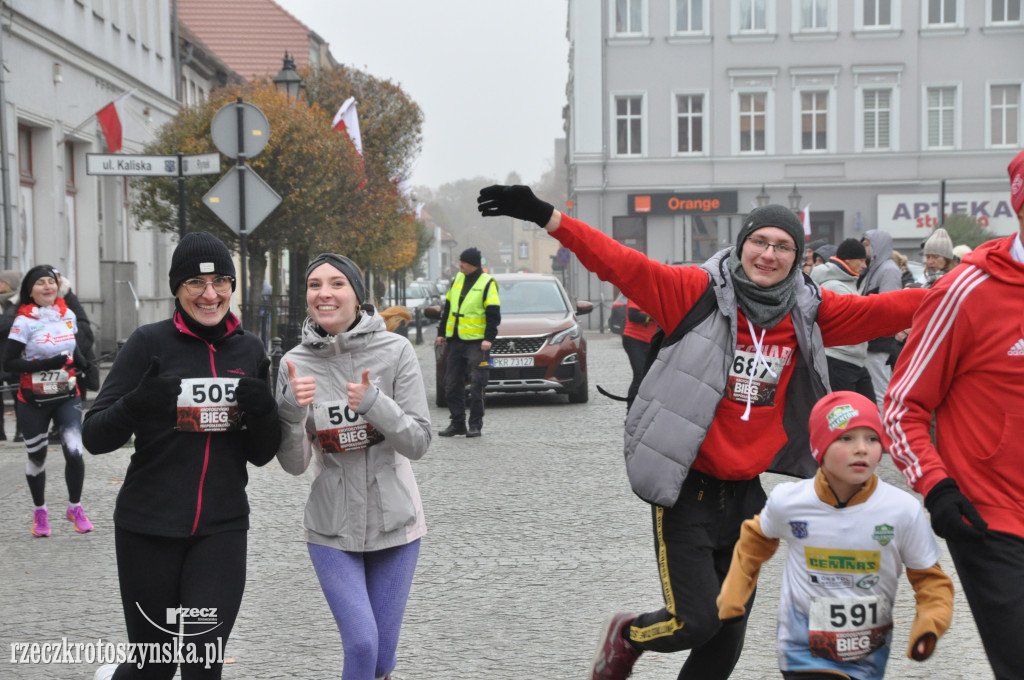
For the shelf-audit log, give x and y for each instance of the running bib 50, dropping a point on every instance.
(342, 430)
(208, 405)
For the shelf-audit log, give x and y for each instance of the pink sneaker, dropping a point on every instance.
(40, 523)
(76, 515)
(615, 655)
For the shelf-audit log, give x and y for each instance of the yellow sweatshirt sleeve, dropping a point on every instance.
(933, 591)
(751, 551)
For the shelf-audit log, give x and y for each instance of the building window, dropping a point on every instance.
(689, 16)
(629, 125)
(1006, 11)
(630, 231)
(25, 152)
(942, 12)
(752, 123)
(753, 15)
(690, 123)
(877, 13)
(1005, 115)
(941, 102)
(814, 121)
(629, 17)
(877, 116)
(69, 166)
(813, 14)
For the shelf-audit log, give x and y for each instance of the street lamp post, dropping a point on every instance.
(794, 199)
(763, 198)
(287, 80)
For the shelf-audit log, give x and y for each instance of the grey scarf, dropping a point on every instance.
(765, 307)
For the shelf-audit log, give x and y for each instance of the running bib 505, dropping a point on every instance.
(208, 405)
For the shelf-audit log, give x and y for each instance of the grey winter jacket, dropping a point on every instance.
(366, 499)
(679, 395)
(832, 276)
(881, 276)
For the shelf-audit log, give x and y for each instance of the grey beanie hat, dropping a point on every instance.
(939, 244)
(200, 252)
(774, 216)
(344, 265)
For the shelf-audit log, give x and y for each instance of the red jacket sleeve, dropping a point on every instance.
(666, 292)
(918, 385)
(851, 319)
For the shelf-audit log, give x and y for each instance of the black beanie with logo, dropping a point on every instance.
(198, 253)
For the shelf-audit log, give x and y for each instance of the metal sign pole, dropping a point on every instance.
(243, 241)
(181, 194)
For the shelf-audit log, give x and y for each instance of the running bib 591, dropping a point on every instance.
(208, 405)
(847, 628)
(342, 430)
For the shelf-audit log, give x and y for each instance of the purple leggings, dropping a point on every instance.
(367, 593)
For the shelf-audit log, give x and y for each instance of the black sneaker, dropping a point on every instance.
(452, 430)
(473, 432)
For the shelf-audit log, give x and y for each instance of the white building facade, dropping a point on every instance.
(65, 60)
(685, 114)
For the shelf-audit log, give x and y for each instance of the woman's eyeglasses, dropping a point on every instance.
(221, 285)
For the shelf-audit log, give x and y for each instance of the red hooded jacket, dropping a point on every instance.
(964, 361)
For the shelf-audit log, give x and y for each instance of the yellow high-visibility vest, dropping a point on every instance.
(471, 312)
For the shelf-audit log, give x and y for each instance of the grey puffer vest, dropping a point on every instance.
(679, 396)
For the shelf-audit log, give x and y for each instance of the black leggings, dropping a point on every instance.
(34, 421)
(158, 574)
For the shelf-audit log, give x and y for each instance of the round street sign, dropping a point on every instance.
(255, 130)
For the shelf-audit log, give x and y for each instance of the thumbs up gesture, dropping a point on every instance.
(303, 388)
(356, 391)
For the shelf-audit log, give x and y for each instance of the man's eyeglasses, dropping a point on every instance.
(221, 285)
(762, 245)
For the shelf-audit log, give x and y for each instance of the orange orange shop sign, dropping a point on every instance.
(694, 203)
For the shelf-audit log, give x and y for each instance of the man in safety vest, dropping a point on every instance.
(469, 324)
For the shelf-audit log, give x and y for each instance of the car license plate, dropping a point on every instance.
(511, 362)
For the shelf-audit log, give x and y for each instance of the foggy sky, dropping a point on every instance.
(489, 75)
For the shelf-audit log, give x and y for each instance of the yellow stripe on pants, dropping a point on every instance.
(662, 628)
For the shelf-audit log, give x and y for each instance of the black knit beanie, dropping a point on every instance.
(33, 275)
(471, 256)
(774, 216)
(200, 252)
(344, 265)
(851, 249)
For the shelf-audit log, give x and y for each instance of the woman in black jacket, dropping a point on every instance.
(193, 391)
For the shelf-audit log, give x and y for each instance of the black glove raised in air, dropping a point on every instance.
(254, 395)
(949, 509)
(515, 201)
(154, 394)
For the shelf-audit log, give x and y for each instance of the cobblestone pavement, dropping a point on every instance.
(534, 537)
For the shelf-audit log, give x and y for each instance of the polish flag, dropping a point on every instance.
(347, 120)
(806, 217)
(111, 118)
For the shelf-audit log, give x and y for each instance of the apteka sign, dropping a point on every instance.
(915, 215)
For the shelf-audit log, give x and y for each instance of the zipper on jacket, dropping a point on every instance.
(206, 453)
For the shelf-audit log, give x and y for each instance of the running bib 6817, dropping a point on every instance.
(747, 375)
(208, 405)
(342, 430)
